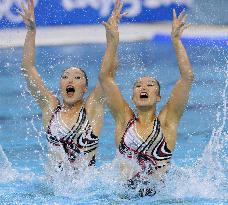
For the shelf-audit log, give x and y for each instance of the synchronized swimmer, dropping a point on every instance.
(144, 138)
(73, 127)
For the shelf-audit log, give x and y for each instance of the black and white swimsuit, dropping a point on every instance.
(151, 154)
(77, 142)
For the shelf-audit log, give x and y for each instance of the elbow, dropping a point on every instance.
(104, 79)
(23, 65)
(189, 76)
(101, 77)
(104, 75)
(23, 69)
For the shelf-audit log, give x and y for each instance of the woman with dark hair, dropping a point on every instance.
(145, 141)
(73, 127)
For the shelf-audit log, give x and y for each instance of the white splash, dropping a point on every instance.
(205, 179)
(208, 178)
(7, 173)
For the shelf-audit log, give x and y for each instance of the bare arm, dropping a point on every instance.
(95, 109)
(96, 100)
(180, 94)
(36, 86)
(118, 106)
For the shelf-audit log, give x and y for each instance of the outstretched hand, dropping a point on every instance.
(111, 26)
(28, 15)
(178, 25)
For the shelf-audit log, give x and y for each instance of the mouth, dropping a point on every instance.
(143, 95)
(70, 90)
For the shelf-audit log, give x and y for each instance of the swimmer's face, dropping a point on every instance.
(146, 92)
(73, 85)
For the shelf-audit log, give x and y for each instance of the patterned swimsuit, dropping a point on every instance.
(151, 154)
(76, 142)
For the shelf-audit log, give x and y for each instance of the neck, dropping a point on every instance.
(146, 116)
(69, 107)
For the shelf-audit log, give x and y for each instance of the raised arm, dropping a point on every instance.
(96, 100)
(36, 86)
(180, 94)
(114, 99)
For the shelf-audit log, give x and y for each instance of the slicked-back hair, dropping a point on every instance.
(159, 86)
(84, 73)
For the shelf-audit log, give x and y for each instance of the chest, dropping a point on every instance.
(143, 131)
(67, 120)
(62, 129)
(142, 137)
(153, 149)
(135, 141)
(134, 132)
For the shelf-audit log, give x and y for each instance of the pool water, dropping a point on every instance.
(199, 172)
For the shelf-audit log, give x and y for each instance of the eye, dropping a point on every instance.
(138, 86)
(78, 77)
(64, 77)
(150, 85)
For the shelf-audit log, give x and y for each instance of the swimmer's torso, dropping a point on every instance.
(151, 154)
(76, 144)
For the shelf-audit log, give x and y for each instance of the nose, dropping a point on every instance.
(70, 80)
(143, 87)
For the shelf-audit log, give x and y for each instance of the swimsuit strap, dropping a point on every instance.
(77, 141)
(129, 124)
(54, 113)
(152, 136)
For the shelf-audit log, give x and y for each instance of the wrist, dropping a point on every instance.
(31, 27)
(33, 31)
(113, 44)
(176, 41)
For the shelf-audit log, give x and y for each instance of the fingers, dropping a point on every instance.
(20, 13)
(124, 14)
(29, 4)
(24, 17)
(24, 8)
(32, 4)
(179, 30)
(182, 19)
(106, 25)
(182, 16)
(183, 26)
(186, 26)
(30, 7)
(116, 15)
(117, 12)
(174, 14)
(118, 7)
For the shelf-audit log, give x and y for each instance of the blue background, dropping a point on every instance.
(49, 13)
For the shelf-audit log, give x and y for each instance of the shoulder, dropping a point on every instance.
(122, 125)
(48, 112)
(167, 121)
(169, 129)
